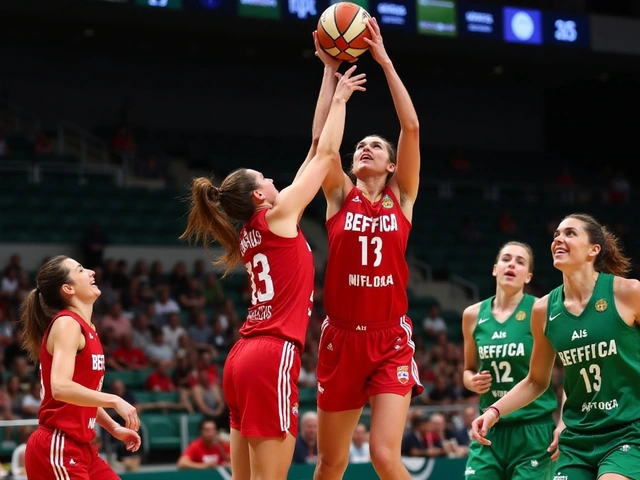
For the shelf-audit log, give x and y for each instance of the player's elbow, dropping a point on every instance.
(412, 126)
(58, 389)
(539, 383)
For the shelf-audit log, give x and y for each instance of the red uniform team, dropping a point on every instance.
(268, 355)
(366, 305)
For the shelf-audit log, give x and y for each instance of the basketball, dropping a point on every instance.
(342, 29)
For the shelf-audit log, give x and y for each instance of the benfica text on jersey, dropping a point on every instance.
(281, 275)
(367, 273)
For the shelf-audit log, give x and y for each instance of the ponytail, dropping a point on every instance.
(212, 209)
(611, 259)
(42, 303)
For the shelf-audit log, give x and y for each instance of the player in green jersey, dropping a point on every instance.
(592, 322)
(497, 350)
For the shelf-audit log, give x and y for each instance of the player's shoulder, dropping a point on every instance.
(626, 285)
(472, 311)
(540, 305)
(64, 322)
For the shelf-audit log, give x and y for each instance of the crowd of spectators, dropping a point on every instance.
(177, 325)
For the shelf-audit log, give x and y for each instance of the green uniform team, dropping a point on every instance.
(601, 358)
(520, 439)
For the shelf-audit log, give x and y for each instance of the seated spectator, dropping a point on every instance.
(31, 401)
(173, 330)
(24, 372)
(212, 290)
(414, 442)
(159, 380)
(207, 451)
(128, 356)
(306, 449)
(165, 304)
(441, 436)
(191, 296)
(433, 323)
(158, 350)
(207, 396)
(141, 333)
(359, 450)
(116, 320)
(200, 331)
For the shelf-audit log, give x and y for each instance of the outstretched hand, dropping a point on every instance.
(376, 46)
(347, 84)
(327, 59)
(130, 438)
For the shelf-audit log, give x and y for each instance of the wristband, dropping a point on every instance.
(495, 409)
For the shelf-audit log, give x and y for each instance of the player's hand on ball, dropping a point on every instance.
(481, 382)
(327, 59)
(347, 84)
(376, 47)
(130, 438)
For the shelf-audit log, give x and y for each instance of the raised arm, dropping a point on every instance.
(291, 202)
(327, 88)
(532, 386)
(407, 174)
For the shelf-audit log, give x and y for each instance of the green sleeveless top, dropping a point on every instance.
(601, 358)
(504, 349)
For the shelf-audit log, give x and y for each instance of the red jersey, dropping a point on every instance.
(200, 452)
(76, 422)
(367, 273)
(281, 274)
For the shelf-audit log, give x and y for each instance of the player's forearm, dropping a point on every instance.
(405, 110)
(105, 421)
(320, 115)
(466, 379)
(329, 82)
(520, 396)
(75, 394)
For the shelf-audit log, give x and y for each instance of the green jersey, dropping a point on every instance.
(601, 358)
(504, 349)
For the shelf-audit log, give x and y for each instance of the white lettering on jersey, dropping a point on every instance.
(501, 351)
(357, 222)
(250, 239)
(497, 335)
(587, 353)
(375, 281)
(578, 334)
(92, 424)
(98, 362)
(263, 312)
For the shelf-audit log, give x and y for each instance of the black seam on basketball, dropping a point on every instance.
(348, 26)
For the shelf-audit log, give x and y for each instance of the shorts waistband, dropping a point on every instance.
(273, 339)
(365, 327)
(544, 420)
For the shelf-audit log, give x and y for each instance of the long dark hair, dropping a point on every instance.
(611, 259)
(213, 208)
(42, 303)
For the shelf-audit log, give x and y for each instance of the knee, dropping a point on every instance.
(383, 458)
(333, 463)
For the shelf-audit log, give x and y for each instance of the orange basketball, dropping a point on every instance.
(341, 30)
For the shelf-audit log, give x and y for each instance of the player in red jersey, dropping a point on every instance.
(366, 352)
(59, 334)
(261, 372)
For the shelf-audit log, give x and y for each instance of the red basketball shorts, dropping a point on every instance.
(358, 361)
(260, 386)
(51, 455)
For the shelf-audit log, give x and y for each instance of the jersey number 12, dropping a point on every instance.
(261, 282)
